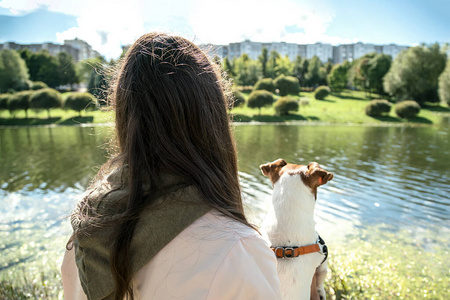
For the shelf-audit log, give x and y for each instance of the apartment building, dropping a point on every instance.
(79, 49)
(325, 52)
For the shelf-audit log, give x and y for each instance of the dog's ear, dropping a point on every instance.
(266, 168)
(320, 176)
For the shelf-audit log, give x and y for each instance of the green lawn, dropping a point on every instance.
(345, 107)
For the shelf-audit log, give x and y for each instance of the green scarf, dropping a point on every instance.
(178, 204)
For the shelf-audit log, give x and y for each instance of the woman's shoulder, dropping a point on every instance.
(211, 252)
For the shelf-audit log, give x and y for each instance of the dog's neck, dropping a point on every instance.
(293, 208)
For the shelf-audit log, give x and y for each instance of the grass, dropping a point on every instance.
(58, 117)
(372, 263)
(345, 107)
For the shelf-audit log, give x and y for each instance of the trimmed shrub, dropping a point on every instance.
(258, 99)
(286, 104)
(265, 84)
(238, 99)
(20, 100)
(407, 109)
(321, 92)
(4, 101)
(287, 85)
(378, 107)
(80, 101)
(38, 85)
(46, 99)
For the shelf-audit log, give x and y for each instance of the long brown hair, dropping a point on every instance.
(171, 116)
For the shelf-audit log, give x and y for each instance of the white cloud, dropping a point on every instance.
(107, 25)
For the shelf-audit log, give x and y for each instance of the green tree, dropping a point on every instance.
(287, 85)
(80, 101)
(228, 67)
(271, 69)
(67, 69)
(316, 75)
(337, 79)
(379, 65)
(44, 67)
(4, 101)
(46, 99)
(300, 69)
(13, 71)
(284, 66)
(265, 84)
(359, 73)
(414, 74)
(259, 99)
(286, 104)
(444, 85)
(94, 72)
(247, 70)
(263, 59)
(19, 101)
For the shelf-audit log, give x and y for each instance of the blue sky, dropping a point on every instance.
(108, 24)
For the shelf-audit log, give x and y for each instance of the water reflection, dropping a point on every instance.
(392, 175)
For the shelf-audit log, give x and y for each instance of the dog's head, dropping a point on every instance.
(312, 175)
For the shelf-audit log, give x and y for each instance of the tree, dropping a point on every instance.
(316, 74)
(286, 104)
(265, 84)
(444, 85)
(80, 101)
(287, 85)
(93, 71)
(414, 74)
(44, 67)
(4, 101)
(337, 79)
(263, 59)
(247, 70)
(67, 71)
(271, 69)
(284, 66)
(359, 73)
(300, 69)
(321, 92)
(13, 71)
(20, 100)
(259, 99)
(46, 99)
(379, 65)
(228, 67)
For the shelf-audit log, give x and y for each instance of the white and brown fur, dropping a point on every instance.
(291, 223)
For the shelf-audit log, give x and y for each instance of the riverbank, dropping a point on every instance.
(358, 269)
(343, 108)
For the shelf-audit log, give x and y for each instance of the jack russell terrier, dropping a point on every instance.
(290, 228)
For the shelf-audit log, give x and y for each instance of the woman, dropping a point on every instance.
(163, 218)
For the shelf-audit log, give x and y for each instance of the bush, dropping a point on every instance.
(407, 109)
(378, 107)
(265, 84)
(20, 100)
(46, 99)
(80, 101)
(238, 99)
(258, 99)
(287, 85)
(4, 101)
(286, 104)
(38, 85)
(321, 92)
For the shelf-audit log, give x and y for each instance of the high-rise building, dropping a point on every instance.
(79, 49)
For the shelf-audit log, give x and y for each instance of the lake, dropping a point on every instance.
(397, 177)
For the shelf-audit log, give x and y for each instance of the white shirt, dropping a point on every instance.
(214, 258)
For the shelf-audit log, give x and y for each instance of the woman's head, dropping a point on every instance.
(171, 117)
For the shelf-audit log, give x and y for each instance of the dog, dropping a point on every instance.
(290, 228)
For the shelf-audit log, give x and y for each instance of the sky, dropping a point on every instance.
(109, 24)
